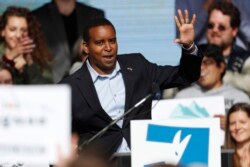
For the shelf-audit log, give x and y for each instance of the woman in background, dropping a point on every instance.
(238, 134)
(6, 76)
(23, 48)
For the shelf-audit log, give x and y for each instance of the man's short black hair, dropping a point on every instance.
(94, 23)
(214, 52)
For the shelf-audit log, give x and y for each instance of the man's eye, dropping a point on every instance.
(99, 42)
(113, 41)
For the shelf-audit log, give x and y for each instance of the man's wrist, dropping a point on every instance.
(191, 49)
(188, 48)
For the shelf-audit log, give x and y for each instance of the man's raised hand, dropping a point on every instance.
(186, 28)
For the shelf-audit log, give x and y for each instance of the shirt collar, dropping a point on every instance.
(95, 75)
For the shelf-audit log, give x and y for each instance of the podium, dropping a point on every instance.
(124, 159)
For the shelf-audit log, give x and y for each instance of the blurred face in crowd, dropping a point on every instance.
(5, 77)
(239, 126)
(102, 48)
(210, 74)
(15, 29)
(219, 30)
(91, 162)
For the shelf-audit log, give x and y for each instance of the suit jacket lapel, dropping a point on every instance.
(127, 74)
(86, 86)
(88, 91)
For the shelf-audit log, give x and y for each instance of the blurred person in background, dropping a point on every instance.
(236, 34)
(222, 29)
(238, 134)
(6, 76)
(202, 7)
(211, 83)
(92, 156)
(23, 48)
(78, 52)
(89, 156)
(244, 33)
(62, 23)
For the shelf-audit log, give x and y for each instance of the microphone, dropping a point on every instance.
(155, 89)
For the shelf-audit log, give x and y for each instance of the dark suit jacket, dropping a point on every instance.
(138, 75)
(55, 33)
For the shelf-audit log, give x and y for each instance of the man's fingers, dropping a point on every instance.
(178, 24)
(181, 17)
(184, 20)
(186, 16)
(193, 19)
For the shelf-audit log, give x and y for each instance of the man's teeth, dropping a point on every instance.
(203, 74)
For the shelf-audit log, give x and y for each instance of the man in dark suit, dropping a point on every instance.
(62, 23)
(108, 84)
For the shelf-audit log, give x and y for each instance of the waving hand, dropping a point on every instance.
(186, 28)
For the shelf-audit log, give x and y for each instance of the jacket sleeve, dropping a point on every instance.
(34, 75)
(187, 72)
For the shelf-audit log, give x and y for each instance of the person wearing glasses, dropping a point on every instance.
(202, 7)
(222, 29)
(213, 68)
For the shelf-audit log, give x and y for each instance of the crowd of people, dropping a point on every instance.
(105, 85)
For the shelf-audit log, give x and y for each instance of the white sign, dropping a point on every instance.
(35, 121)
(202, 107)
(175, 141)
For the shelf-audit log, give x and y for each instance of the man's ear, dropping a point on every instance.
(84, 47)
(235, 32)
(222, 67)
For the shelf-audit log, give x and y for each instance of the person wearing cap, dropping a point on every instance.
(213, 68)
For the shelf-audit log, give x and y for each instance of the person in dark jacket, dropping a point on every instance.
(107, 85)
(62, 23)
